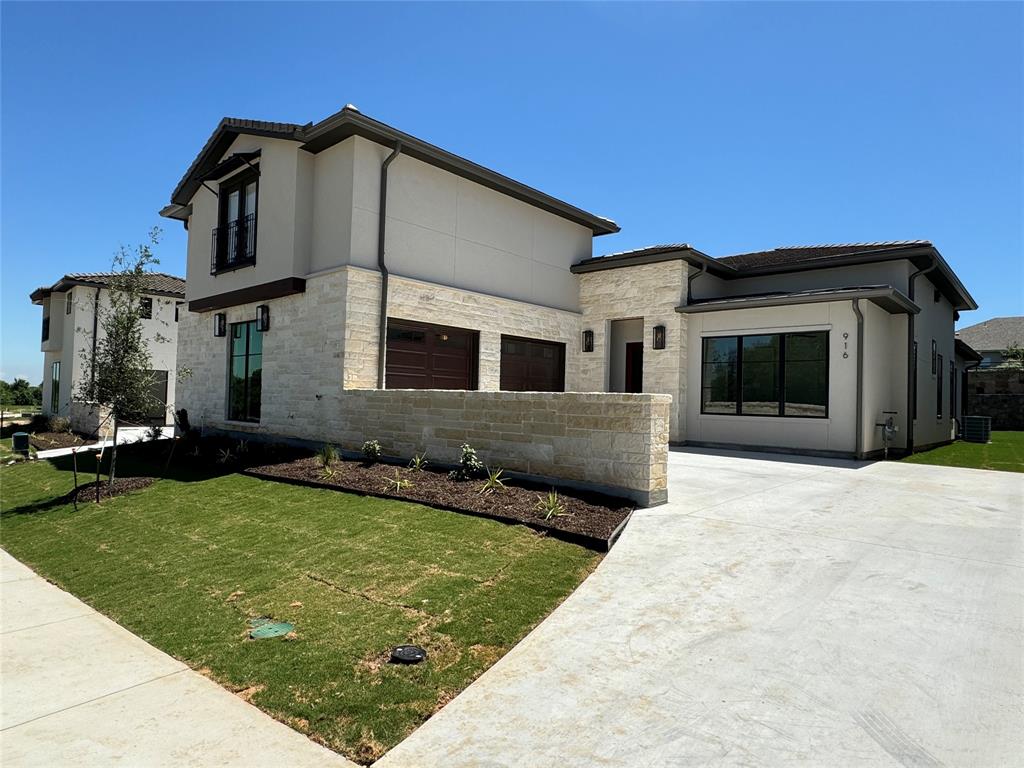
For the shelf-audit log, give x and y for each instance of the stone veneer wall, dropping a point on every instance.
(91, 419)
(607, 440)
(651, 292)
(430, 303)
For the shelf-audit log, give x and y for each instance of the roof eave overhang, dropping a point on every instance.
(889, 299)
(690, 255)
(348, 123)
(177, 212)
(965, 350)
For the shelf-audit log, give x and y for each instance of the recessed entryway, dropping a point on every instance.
(626, 355)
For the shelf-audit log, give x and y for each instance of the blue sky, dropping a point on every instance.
(732, 127)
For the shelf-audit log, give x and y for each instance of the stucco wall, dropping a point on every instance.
(835, 433)
(650, 292)
(428, 302)
(935, 321)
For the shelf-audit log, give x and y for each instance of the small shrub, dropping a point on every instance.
(550, 506)
(224, 456)
(419, 461)
(396, 484)
(327, 472)
(371, 451)
(327, 456)
(155, 432)
(59, 424)
(470, 465)
(242, 447)
(494, 483)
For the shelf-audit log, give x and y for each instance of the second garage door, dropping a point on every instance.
(531, 365)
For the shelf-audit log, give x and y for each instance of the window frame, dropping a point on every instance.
(68, 303)
(781, 373)
(952, 389)
(55, 387)
(230, 337)
(146, 307)
(938, 390)
(236, 183)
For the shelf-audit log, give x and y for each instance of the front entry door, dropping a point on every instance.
(635, 366)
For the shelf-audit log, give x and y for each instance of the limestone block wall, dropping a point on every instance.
(650, 292)
(613, 441)
(410, 299)
(91, 419)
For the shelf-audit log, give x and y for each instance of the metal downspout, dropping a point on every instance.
(911, 383)
(689, 282)
(859, 444)
(382, 332)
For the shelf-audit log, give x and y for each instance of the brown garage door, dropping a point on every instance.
(425, 356)
(530, 365)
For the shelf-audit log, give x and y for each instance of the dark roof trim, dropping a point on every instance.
(275, 289)
(885, 296)
(920, 255)
(350, 122)
(653, 256)
(963, 349)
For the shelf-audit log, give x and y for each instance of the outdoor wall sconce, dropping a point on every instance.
(263, 318)
(659, 337)
(588, 341)
(220, 324)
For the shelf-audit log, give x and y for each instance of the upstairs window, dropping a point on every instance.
(234, 238)
(146, 308)
(67, 303)
(46, 327)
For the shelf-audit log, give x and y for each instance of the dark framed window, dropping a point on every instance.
(935, 352)
(46, 327)
(938, 390)
(952, 389)
(234, 237)
(55, 386)
(67, 303)
(777, 374)
(913, 378)
(146, 308)
(245, 374)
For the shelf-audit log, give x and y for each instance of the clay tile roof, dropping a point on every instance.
(155, 282)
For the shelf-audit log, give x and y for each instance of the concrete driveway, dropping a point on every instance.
(777, 612)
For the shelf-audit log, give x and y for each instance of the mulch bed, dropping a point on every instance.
(121, 486)
(44, 441)
(591, 519)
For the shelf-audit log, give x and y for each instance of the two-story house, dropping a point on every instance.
(72, 311)
(331, 258)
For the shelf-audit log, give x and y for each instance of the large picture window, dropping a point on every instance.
(234, 238)
(245, 376)
(777, 374)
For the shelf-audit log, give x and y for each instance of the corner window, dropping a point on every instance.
(938, 390)
(234, 238)
(146, 308)
(67, 303)
(46, 327)
(55, 387)
(779, 374)
(245, 376)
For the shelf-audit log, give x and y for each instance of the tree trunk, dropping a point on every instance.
(113, 459)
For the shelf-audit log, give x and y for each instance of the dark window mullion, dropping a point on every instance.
(781, 374)
(739, 375)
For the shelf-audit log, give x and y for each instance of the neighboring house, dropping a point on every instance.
(71, 328)
(328, 259)
(993, 337)
(995, 387)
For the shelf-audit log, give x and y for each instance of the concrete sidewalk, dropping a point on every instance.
(80, 690)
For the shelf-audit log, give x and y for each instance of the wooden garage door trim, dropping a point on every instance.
(516, 369)
(424, 359)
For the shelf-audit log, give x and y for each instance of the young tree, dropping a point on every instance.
(119, 376)
(1014, 356)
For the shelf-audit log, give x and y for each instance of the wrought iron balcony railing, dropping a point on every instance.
(234, 245)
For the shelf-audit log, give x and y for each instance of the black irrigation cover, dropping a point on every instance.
(408, 654)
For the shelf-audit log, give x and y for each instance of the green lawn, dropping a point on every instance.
(1005, 453)
(185, 562)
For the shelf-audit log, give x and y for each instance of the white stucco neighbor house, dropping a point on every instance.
(347, 278)
(71, 328)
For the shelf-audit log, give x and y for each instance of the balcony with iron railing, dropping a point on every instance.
(234, 245)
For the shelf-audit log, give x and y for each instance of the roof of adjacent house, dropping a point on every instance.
(349, 122)
(995, 334)
(921, 253)
(159, 283)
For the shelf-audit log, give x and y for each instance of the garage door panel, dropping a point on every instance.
(427, 356)
(532, 365)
